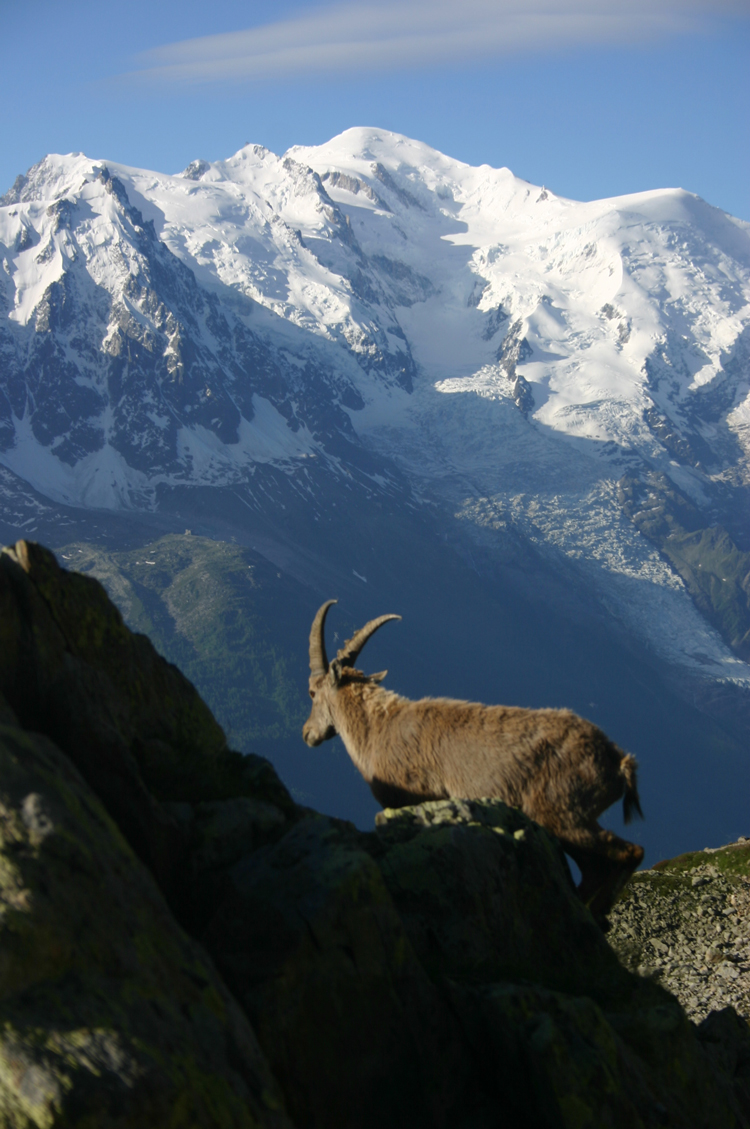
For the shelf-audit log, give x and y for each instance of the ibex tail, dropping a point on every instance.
(631, 804)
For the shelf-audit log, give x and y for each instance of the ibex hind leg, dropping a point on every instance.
(606, 863)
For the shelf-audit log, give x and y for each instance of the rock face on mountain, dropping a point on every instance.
(182, 944)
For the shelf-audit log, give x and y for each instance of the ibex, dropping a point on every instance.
(558, 768)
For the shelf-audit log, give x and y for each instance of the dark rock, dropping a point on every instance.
(488, 904)
(447, 959)
(110, 1015)
(486, 894)
(315, 950)
(726, 1037)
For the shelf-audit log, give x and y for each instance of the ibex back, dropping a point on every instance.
(555, 766)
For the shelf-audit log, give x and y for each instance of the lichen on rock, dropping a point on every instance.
(686, 924)
(109, 1014)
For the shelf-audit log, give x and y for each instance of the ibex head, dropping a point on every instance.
(326, 679)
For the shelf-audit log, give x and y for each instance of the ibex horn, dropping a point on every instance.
(350, 650)
(318, 658)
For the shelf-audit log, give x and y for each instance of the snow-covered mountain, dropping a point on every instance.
(374, 311)
(519, 420)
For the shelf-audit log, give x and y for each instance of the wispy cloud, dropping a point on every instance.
(357, 37)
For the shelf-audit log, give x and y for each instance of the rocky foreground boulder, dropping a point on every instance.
(183, 945)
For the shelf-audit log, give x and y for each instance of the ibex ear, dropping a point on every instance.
(334, 673)
(377, 677)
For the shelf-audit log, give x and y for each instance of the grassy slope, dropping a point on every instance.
(715, 572)
(210, 607)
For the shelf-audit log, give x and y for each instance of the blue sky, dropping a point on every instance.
(590, 97)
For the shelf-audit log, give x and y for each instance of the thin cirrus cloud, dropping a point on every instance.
(386, 36)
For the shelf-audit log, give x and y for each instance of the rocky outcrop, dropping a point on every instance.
(686, 923)
(130, 722)
(110, 1014)
(180, 943)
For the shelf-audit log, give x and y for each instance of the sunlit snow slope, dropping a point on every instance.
(575, 375)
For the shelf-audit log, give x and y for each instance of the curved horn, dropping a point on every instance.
(350, 650)
(318, 658)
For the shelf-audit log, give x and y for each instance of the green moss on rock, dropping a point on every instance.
(109, 1014)
(486, 893)
(732, 859)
